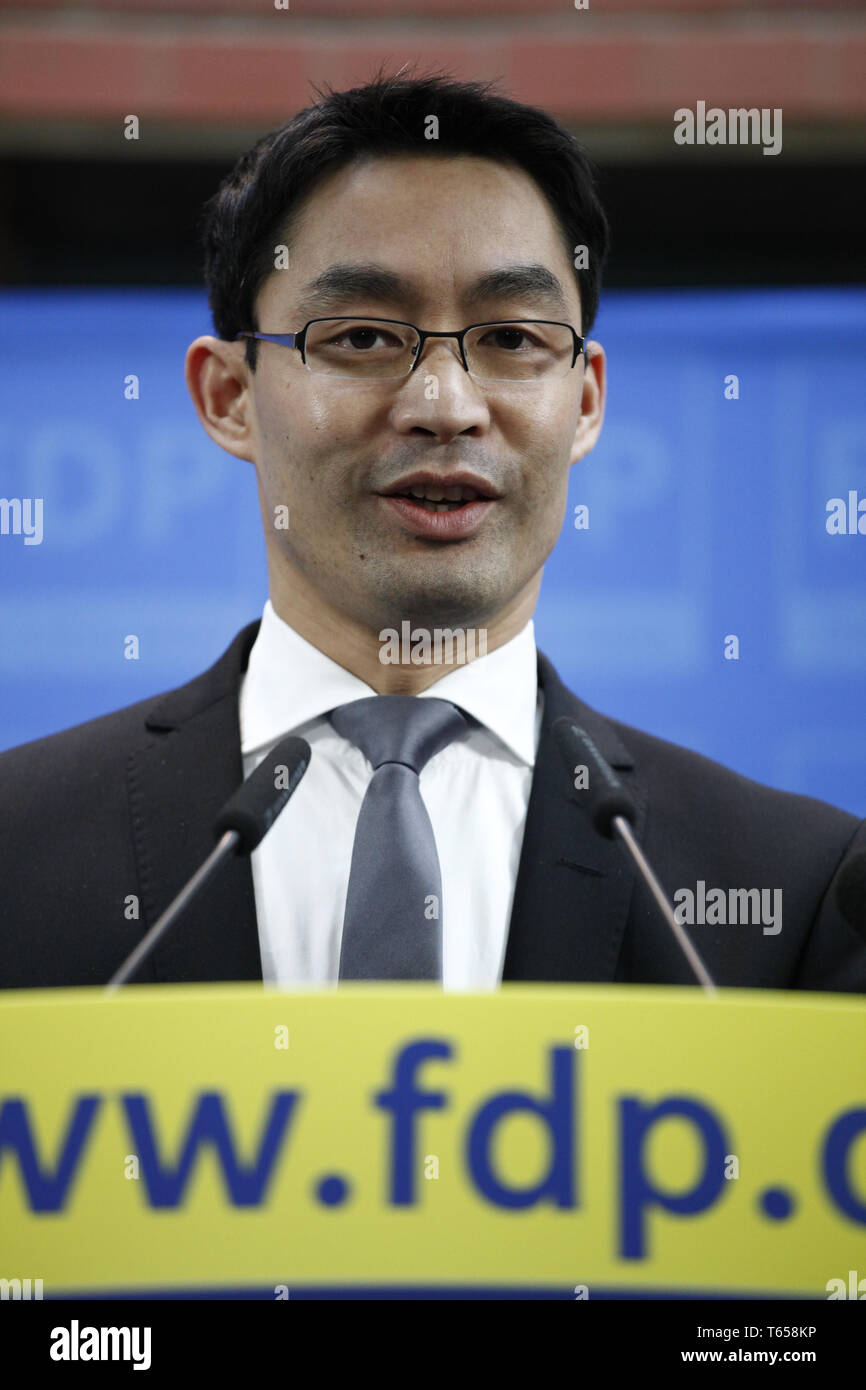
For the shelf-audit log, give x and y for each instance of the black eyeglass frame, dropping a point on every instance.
(298, 340)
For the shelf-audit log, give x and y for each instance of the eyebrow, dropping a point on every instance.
(534, 282)
(329, 291)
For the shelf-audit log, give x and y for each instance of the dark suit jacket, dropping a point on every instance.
(123, 805)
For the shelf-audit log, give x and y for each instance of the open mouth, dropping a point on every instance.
(434, 499)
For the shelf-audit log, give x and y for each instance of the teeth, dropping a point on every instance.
(429, 492)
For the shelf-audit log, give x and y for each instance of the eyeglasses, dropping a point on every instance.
(514, 350)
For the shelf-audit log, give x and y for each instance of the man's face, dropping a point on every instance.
(331, 448)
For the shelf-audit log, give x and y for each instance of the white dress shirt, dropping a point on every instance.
(476, 792)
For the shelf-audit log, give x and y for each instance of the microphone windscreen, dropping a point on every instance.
(597, 789)
(851, 892)
(254, 807)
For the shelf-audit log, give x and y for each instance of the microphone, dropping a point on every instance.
(851, 893)
(612, 812)
(240, 826)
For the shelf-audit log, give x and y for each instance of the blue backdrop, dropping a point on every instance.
(707, 519)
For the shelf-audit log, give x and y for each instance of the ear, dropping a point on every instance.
(217, 378)
(592, 401)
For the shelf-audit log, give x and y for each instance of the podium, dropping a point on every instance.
(585, 1141)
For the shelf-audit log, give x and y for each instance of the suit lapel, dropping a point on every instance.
(178, 781)
(573, 887)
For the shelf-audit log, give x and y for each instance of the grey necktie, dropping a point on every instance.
(392, 928)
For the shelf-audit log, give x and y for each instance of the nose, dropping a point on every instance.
(439, 397)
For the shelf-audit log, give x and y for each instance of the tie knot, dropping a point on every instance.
(399, 728)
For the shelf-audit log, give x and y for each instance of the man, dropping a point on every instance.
(403, 280)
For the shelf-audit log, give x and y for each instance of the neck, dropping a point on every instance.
(388, 668)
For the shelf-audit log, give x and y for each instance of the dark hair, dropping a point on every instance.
(253, 208)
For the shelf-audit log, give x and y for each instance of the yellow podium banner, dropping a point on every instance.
(192, 1140)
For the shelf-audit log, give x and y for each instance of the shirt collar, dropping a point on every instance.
(289, 682)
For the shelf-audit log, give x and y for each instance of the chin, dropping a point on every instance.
(455, 589)
(436, 601)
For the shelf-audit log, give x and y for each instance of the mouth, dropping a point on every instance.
(424, 501)
(444, 493)
(438, 499)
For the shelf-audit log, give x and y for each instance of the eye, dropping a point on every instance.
(361, 337)
(511, 337)
(364, 337)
